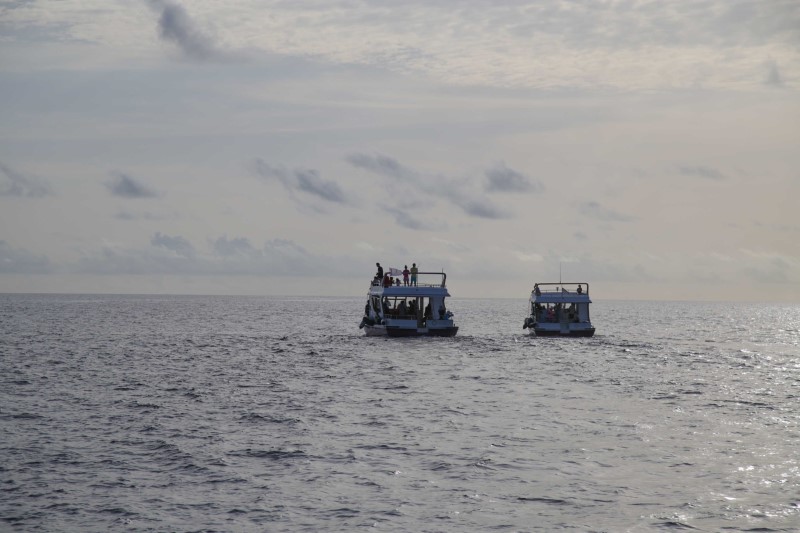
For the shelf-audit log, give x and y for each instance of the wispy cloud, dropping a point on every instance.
(127, 215)
(406, 220)
(454, 191)
(773, 78)
(125, 186)
(177, 244)
(17, 184)
(20, 261)
(596, 211)
(500, 178)
(702, 172)
(235, 247)
(381, 164)
(177, 255)
(304, 180)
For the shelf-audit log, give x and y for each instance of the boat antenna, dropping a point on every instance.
(559, 273)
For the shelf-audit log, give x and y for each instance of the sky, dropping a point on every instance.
(274, 147)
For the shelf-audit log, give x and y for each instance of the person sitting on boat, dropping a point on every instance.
(406, 272)
(428, 311)
(580, 290)
(551, 314)
(387, 281)
(397, 282)
(537, 290)
(402, 309)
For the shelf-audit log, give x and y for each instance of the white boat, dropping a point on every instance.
(409, 311)
(560, 309)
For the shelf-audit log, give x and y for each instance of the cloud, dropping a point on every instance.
(305, 180)
(404, 219)
(452, 246)
(504, 179)
(176, 26)
(773, 78)
(22, 186)
(702, 172)
(127, 215)
(381, 164)
(457, 192)
(19, 261)
(177, 244)
(596, 211)
(126, 187)
(238, 246)
(528, 257)
(224, 256)
(479, 207)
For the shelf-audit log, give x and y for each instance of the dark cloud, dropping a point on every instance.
(305, 180)
(503, 179)
(480, 208)
(18, 261)
(702, 172)
(310, 182)
(177, 244)
(455, 191)
(176, 26)
(23, 186)
(126, 187)
(598, 212)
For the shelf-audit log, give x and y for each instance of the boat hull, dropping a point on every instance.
(422, 332)
(542, 332)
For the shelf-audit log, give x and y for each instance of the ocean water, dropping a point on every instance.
(182, 413)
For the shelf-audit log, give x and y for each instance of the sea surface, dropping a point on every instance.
(193, 413)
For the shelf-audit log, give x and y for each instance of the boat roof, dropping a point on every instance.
(546, 293)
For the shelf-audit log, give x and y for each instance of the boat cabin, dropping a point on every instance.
(560, 309)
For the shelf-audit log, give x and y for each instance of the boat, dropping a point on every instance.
(397, 310)
(560, 309)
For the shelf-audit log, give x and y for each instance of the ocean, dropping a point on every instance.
(212, 413)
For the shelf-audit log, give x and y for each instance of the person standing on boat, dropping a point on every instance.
(379, 275)
(406, 272)
(414, 272)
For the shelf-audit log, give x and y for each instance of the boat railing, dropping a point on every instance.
(559, 288)
(421, 281)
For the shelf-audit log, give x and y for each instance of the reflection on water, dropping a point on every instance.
(274, 414)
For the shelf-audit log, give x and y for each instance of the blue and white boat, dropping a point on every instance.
(560, 309)
(409, 311)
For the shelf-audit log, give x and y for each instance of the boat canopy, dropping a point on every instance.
(553, 293)
(411, 291)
